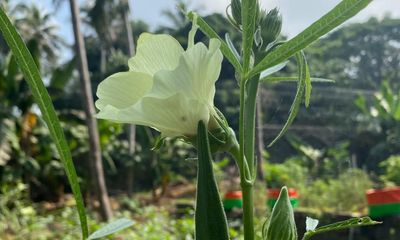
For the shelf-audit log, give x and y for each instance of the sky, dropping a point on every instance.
(297, 14)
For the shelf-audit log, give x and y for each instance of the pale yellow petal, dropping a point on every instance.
(174, 116)
(195, 76)
(123, 89)
(155, 52)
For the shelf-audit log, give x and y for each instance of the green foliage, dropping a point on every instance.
(21, 220)
(32, 75)
(111, 228)
(380, 121)
(343, 194)
(290, 173)
(391, 175)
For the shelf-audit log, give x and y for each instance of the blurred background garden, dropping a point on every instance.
(346, 143)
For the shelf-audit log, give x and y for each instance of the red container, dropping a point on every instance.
(273, 193)
(383, 196)
(233, 195)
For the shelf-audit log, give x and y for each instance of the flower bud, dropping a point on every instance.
(236, 9)
(281, 224)
(271, 25)
(221, 136)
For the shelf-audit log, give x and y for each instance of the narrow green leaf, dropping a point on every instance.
(350, 223)
(293, 79)
(42, 98)
(307, 80)
(281, 224)
(294, 109)
(249, 12)
(342, 12)
(210, 217)
(273, 69)
(231, 46)
(111, 228)
(209, 32)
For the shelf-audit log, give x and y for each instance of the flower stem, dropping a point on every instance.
(246, 169)
(248, 212)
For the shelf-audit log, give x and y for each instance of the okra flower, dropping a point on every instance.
(167, 88)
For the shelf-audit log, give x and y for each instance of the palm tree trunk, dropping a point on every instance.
(259, 137)
(95, 160)
(132, 128)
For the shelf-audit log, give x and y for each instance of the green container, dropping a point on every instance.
(232, 203)
(293, 201)
(383, 210)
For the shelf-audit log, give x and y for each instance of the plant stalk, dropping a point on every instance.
(246, 169)
(248, 211)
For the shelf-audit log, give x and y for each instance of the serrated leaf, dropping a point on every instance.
(297, 99)
(281, 224)
(338, 15)
(353, 222)
(210, 219)
(43, 100)
(209, 32)
(111, 228)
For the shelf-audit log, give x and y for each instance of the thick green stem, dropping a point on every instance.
(307, 236)
(248, 211)
(246, 169)
(250, 119)
(241, 128)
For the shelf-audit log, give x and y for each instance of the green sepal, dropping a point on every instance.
(210, 219)
(281, 225)
(271, 26)
(236, 9)
(159, 142)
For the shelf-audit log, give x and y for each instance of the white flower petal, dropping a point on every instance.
(155, 52)
(123, 89)
(174, 116)
(195, 76)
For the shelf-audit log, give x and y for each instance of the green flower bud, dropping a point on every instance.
(271, 25)
(281, 224)
(236, 9)
(221, 136)
(258, 13)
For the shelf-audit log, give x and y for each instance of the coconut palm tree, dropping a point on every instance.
(95, 158)
(39, 31)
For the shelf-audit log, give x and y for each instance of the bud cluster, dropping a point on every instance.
(268, 24)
